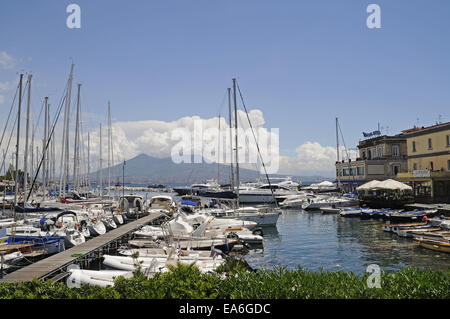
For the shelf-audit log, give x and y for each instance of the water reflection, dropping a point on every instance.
(314, 240)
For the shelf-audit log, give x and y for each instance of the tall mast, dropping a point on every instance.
(236, 138)
(231, 138)
(109, 147)
(44, 155)
(16, 184)
(337, 153)
(25, 158)
(65, 142)
(101, 173)
(76, 153)
(218, 156)
(88, 162)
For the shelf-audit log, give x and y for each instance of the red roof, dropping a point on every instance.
(417, 129)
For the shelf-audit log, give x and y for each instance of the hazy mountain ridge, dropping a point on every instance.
(147, 169)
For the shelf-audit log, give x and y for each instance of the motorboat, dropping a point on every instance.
(266, 193)
(161, 202)
(194, 189)
(318, 203)
(132, 205)
(297, 200)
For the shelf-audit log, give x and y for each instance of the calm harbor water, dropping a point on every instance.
(314, 240)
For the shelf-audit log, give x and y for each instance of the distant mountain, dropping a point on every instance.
(147, 169)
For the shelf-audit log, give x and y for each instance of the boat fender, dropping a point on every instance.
(232, 235)
(124, 204)
(138, 204)
(258, 231)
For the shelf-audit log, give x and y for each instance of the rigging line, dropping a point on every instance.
(9, 142)
(46, 144)
(346, 151)
(342, 136)
(39, 118)
(256, 142)
(10, 111)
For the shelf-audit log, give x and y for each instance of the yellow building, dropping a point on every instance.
(379, 158)
(428, 154)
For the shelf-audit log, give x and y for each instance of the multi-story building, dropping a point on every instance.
(379, 158)
(428, 150)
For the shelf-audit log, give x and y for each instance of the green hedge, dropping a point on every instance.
(235, 282)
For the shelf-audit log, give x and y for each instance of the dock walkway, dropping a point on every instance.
(50, 266)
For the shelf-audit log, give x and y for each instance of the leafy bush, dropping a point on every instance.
(235, 281)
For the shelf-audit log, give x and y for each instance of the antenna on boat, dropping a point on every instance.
(337, 153)
(236, 138)
(231, 138)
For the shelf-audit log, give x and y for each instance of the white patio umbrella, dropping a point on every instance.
(368, 185)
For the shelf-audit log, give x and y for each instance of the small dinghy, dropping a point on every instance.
(391, 227)
(374, 213)
(101, 278)
(410, 215)
(129, 263)
(350, 212)
(330, 210)
(434, 244)
(407, 232)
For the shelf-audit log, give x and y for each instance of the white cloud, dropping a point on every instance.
(6, 60)
(312, 157)
(154, 137)
(5, 86)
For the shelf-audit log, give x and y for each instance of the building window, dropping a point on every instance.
(431, 166)
(380, 151)
(370, 154)
(430, 144)
(395, 150)
(364, 153)
(361, 170)
(415, 166)
(448, 140)
(414, 146)
(395, 169)
(448, 165)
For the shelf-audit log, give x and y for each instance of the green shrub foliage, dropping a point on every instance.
(235, 281)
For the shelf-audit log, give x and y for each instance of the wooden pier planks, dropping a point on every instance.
(55, 262)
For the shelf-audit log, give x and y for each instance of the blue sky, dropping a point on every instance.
(302, 63)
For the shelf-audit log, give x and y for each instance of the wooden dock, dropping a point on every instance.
(55, 264)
